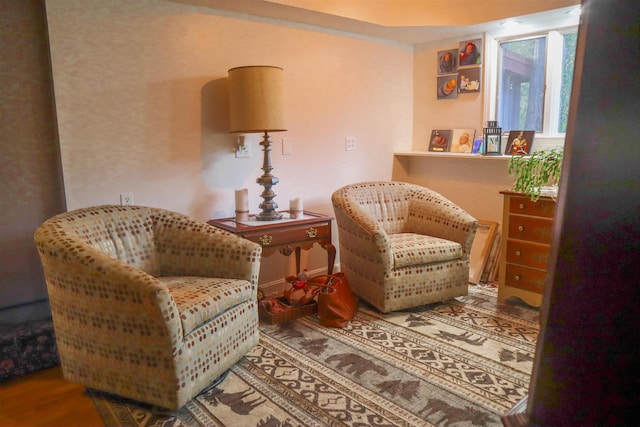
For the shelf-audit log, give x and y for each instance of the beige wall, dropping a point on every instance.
(29, 162)
(141, 101)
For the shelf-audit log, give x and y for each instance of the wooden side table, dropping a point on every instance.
(285, 236)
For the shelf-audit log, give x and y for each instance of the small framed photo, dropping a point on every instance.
(447, 87)
(448, 61)
(519, 142)
(470, 52)
(462, 141)
(439, 141)
(469, 80)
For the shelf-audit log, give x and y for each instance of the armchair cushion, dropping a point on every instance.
(201, 299)
(417, 249)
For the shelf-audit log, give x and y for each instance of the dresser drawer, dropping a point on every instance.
(525, 278)
(530, 228)
(528, 254)
(524, 206)
(290, 236)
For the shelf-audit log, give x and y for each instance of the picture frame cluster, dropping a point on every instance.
(453, 141)
(519, 142)
(459, 70)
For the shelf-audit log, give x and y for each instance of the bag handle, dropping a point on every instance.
(330, 277)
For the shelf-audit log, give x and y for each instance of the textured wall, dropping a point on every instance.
(29, 162)
(141, 97)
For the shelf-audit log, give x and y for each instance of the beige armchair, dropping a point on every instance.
(147, 303)
(402, 245)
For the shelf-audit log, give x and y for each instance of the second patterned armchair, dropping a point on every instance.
(147, 303)
(402, 245)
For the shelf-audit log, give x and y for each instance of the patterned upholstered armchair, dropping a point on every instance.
(147, 303)
(402, 245)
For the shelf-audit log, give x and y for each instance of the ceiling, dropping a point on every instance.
(407, 21)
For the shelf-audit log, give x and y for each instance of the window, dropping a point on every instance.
(534, 81)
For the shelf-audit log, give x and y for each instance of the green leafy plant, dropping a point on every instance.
(533, 172)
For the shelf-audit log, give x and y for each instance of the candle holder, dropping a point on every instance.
(492, 139)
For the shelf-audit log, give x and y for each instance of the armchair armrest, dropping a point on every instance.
(364, 233)
(186, 247)
(434, 215)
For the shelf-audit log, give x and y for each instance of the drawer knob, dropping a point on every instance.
(521, 228)
(518, 253)
(522, 206)
(516, 277)
(312, 232)
(265, 240)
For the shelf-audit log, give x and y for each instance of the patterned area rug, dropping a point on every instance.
(460, 363)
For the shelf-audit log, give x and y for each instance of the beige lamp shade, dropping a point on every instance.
(256, 95)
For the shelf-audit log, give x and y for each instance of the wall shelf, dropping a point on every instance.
(450, 155)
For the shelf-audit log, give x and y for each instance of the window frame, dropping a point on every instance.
(553, 76)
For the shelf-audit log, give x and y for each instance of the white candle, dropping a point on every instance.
(295, 204)
(242, 200)
(295, 208)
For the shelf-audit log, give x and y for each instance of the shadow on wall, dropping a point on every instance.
(221, 171)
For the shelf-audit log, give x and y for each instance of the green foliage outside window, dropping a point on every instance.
(568, 59)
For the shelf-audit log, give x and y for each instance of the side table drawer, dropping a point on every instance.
(530, 228)
(290, 236)
(525, 278)
(528, 254)
(524, 206)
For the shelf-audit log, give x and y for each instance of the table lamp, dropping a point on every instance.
(256, 97)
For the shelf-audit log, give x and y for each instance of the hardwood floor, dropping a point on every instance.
(45, 399)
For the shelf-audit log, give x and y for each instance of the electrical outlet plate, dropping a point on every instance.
(242, 152)
(126, 199)
(242, 148)
(350, 143)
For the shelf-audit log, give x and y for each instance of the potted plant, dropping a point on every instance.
(536, 173)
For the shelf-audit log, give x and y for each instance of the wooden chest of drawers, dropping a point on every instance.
(527, 230)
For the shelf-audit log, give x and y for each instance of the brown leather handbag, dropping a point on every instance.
(336, 302)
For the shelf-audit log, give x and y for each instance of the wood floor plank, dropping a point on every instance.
(44, 399)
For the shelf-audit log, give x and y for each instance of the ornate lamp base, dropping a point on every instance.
(268, 206)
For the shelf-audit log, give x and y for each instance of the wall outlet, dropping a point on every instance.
(350, 143)
(126, 199)
(242, 148)
(243, 152)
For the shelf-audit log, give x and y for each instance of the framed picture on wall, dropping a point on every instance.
(439, 140)
(447, 87)
(448, 61)
(470, 53)
(469, 80)
(519, 142)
